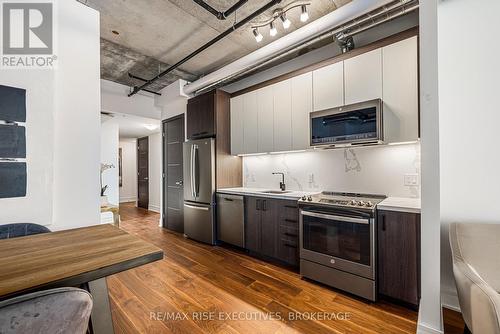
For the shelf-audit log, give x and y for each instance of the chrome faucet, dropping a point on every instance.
(282, 183)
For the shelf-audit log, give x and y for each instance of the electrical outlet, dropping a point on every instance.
(411, 180)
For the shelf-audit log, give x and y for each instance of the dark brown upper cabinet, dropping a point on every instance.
(399, 256)
(201, 122)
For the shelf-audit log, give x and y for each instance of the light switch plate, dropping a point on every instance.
(411, 180)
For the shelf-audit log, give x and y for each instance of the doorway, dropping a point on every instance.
(173, 183)
(143, 173)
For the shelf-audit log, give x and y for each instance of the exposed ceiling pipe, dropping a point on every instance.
(249, 18)
(338, 18)
(216, 13)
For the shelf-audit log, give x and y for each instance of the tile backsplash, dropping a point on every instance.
(374, 169)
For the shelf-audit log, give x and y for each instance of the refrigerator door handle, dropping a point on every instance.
(202, 208)
(191, 171)
(196, 171)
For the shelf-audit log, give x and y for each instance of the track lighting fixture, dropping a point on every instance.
(305, 15)
(281, 14)
(258, 35)
(272, 29)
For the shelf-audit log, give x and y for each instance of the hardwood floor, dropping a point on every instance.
(197, 288)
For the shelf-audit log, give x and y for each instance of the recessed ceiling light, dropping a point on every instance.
(115, 32)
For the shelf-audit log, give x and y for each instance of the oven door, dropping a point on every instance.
(341, 242)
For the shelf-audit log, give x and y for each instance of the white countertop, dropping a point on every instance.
(400, 204)
(292, 195)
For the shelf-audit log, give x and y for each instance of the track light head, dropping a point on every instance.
(305, 15)
(258, 35)
(286, 22)
(273, 31)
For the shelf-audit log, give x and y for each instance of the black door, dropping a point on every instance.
(143, 172)
(173, 184)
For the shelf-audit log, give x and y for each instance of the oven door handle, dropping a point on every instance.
(332, 217)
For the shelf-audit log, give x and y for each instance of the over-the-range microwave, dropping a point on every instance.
(360, 123)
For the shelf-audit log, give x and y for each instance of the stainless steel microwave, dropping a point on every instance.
(360, 123)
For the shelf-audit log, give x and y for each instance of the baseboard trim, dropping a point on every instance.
(424, 329)
(128, 199)
(449, 299)
(154, 208)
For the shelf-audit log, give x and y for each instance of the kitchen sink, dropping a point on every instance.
(276, 191)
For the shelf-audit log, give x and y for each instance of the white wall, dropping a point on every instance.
(77, 118)
(468, 121)
(375, 170)
(109, 155)
(155, 171)
(115, 99)
(62, 128)
(430, 315)
(128, 190)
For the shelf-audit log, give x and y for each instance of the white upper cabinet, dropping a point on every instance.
(328, 86)
(400, 67)
(302, 104)
(282, 116)
(265, 110)
(237, 125)
(363, 77)
(250, 123)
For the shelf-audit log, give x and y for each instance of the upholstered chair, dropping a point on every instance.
(63, 310)
(476, 267)
(21, 230)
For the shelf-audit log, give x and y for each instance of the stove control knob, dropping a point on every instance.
(361, 203)
(304, 198)
(309, 198)
(369, 204)
(352, 202)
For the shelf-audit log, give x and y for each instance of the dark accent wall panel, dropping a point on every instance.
(12, 179)
(12, 141)
(12, 104)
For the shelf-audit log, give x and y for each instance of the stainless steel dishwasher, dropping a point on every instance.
(231, 219)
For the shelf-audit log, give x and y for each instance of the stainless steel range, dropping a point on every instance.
(338, 241)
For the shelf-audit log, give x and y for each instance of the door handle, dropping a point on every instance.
(146, 178)
(179, 183)
(196, 207)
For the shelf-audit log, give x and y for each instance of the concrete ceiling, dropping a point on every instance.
(156, 33)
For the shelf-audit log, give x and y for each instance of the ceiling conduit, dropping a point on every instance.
(237, 25)
(339, 18)
(216, 13)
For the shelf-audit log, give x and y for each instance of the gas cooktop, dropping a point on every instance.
(349, 200)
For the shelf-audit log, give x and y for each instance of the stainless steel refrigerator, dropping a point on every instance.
(199, 188)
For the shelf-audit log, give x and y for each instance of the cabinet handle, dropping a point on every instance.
(228, 199)
(288, 245)
(290, 220)
(290, 234)
(383, 222)
(291, 206)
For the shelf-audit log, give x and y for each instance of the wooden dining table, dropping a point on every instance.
(81, 257)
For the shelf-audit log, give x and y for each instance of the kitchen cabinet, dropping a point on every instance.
(250, 123)
(328, 86)
(271, 229)
(301, 106)
(400, 90)
(265, 126)
(282, 127)
(363, 77)
(398, 256)
(200, 116)
(237, 125)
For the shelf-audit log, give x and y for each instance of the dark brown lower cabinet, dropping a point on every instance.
(399, 256)
(272, 229)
